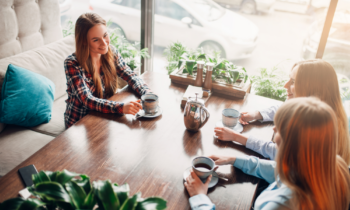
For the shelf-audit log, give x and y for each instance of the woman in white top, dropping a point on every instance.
(307, 78)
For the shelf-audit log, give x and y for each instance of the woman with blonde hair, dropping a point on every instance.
(92, 73)
(308, 174)
(307, 78)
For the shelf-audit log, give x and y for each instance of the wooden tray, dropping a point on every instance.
(238, 89)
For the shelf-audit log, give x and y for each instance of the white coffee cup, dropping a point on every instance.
(230, 117)
(203, 167)
(149, 103)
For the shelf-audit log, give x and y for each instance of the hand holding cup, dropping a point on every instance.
(132, 107)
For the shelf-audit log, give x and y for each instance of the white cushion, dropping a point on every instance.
(56, 125)
(17, 144)
(47, 60)
(25, 25)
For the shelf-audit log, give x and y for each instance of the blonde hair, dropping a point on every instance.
(84, 23)
(318, 78)
(307, 160)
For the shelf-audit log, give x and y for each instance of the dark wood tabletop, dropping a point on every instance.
(151, 154)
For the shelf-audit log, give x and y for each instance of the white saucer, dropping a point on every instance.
(238, 128)
(214, 178)
(141, 113)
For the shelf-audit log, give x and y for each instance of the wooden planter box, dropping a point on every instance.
(239, 89)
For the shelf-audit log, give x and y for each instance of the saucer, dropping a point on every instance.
(141, 113)
(238, 128)
(214, 178)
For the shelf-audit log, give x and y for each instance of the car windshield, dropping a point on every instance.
(207, 9)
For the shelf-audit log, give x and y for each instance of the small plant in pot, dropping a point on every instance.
(180, 57)
(70, 191)
(269, 83)
(190, 58)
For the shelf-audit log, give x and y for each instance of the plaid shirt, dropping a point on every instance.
(80, 89)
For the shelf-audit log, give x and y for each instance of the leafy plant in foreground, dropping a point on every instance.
(70, 191)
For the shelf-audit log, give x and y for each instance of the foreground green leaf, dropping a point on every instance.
(11, 204)
(40, 177)
(152, 203)
(52, 191)
(105, 195)
(130, 203)
(122, 192)
(64, 176)
(90, 200)
(84, 182)
(76, 193)
(31, 204)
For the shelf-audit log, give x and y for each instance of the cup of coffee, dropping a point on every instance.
(149, 103)
(203, 167)
(230, 117)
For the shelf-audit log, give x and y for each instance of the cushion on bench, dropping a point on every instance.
(17, 144)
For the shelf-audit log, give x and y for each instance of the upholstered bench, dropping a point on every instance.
(18, 143)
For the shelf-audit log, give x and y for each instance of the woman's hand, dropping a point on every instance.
(222, 160)
(132, 107)
(246, 117)
(195, 186)
(226, 134)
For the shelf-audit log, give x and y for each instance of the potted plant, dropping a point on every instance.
(70, 191)
(173, 53)
(131, 53)
(179, 56)
(269, 83)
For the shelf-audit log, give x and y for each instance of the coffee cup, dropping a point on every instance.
(203, 167)
(230, 117)
(149, 103)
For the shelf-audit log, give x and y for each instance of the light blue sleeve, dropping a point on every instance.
(274, 206)
(264, 169)
(201, 202)
(265, 148)
(268, 113)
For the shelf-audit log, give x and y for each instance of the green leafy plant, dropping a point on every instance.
(131, 53)
(70, 191)
(269, 83)
(173, 53)
(178, 55)
(68, 28)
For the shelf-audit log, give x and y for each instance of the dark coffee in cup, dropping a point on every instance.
(149, 103)
(202, 167)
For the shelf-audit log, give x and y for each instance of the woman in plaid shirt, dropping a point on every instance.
(92, 73)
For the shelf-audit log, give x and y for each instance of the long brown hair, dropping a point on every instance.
(318, 78)
(307, 160)
(84, 23)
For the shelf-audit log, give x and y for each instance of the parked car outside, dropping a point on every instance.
(337, 51)
(194, 23)
(248, 6)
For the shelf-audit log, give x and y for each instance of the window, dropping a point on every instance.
(171, 9)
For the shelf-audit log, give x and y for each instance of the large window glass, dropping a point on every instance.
(254, 34)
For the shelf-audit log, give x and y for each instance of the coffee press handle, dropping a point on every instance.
(207, 116)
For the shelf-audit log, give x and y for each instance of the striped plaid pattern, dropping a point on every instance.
(80, 89)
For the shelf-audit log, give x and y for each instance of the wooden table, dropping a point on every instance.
(150, 154)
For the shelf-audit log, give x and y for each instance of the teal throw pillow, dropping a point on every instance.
(26, 98)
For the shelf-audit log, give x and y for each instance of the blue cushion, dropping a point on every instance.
(26, 98)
